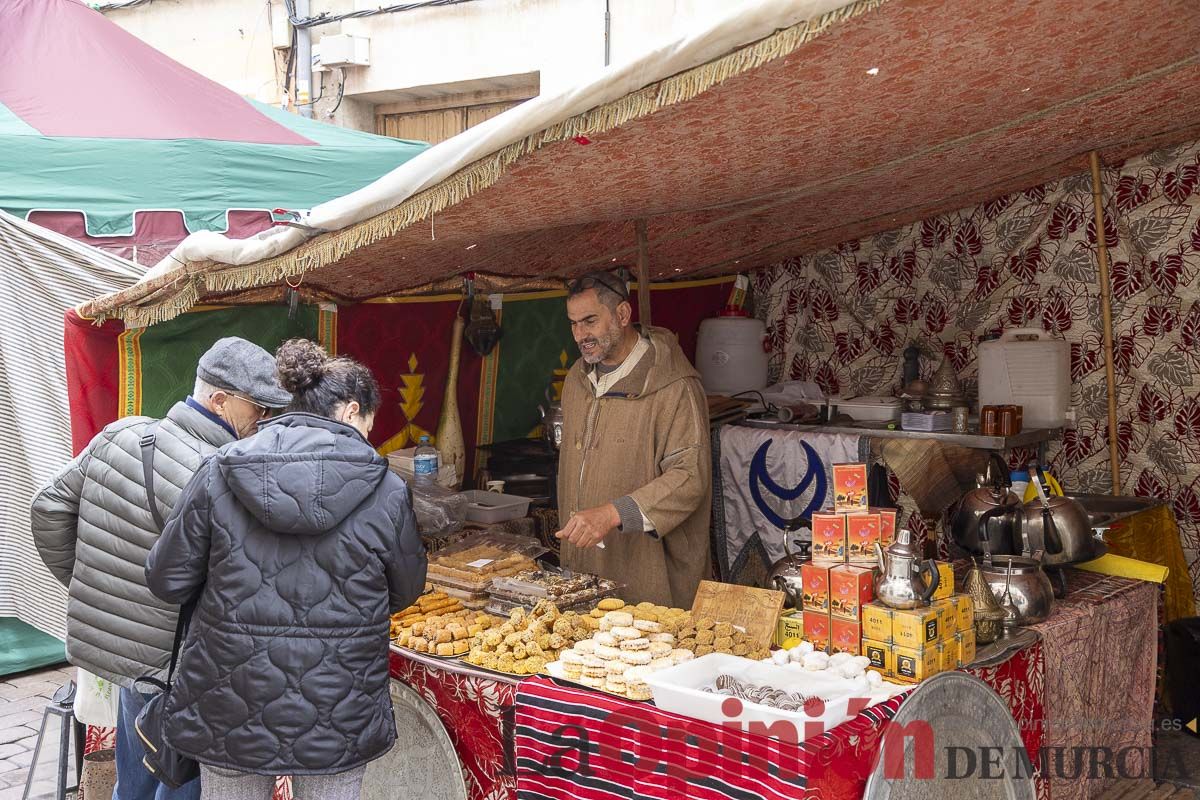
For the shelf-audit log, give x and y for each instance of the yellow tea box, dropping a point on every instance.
(945, 586)
(877, 622)
(966, 646)
(790, 626)
(915, 627)
(916, 664)
(880, 653)
(966, 611)
(947, 655)
(947, 617)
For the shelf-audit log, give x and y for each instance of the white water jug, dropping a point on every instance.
(1030, 368)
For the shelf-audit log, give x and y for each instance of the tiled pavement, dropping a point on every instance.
(23, 698)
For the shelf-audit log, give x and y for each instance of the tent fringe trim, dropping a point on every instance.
(332, 247)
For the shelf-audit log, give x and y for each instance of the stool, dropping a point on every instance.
(62, 707)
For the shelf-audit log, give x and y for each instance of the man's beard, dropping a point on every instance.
(606, 344)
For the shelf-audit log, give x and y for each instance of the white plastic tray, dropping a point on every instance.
(489, 507)
(678, 690)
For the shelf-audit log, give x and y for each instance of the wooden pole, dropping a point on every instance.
(643, 273)
(1110, 377)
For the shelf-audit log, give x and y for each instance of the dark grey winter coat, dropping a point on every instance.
(301, 543)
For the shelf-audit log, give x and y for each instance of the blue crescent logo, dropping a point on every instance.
(759, 477)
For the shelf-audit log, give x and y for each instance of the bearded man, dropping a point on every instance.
(634, 477)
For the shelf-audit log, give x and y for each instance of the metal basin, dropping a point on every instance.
(1103, 509)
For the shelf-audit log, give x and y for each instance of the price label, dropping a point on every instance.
(480, 563)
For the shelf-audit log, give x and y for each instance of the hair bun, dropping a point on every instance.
(299, 363)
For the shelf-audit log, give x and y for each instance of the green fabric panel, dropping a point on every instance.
(536, 333)
(109, 179)
(171, 349)
(23, 647)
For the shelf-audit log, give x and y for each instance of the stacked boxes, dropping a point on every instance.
(910, 645)
(840, 579)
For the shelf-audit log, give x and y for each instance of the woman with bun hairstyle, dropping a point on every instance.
(296, 545)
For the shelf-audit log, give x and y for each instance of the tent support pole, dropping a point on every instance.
(643, 273)
(1110, 378)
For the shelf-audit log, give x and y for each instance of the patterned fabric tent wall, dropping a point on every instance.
(842, 317)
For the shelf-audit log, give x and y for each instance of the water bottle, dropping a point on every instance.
(425, 463)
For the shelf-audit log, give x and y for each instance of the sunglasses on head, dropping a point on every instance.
(594, 281)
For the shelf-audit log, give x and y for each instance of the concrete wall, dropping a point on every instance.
(416, 55)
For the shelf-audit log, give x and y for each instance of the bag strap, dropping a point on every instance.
(149, 435)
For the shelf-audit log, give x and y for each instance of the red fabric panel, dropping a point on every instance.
(93, 376)
(384, 336)
(155, 233)
(65, 70)
(682, 310)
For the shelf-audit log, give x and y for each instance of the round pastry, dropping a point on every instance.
(614, 687)
(797, 653)
(815, 661)
(648, 626)
(637, 673)
(780, 657)
(657, 649)
(662, 637)
(606, 653)
(592, 683)
(661, 663)
(595, 672)
(678, 656)
(636, 657)
(638, 690)
(635, 644)
(587, 647)
(606, 624)
(606, 638)
(838, 659)
(615, 668)
(874, 679)
(620, 618)
(623, 632)
(610, 604)
(571, 657)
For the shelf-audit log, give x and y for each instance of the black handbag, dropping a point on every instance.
(170, 767)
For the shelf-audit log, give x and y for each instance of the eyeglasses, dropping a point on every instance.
(262, 410)
(592, 281)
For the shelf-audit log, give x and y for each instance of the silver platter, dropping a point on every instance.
(423, 764)
(963, 715)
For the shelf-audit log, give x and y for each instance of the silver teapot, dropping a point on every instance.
(552, 420)
(785, 573)
(904, 580)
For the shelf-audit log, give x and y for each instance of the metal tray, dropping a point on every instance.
(423, 764)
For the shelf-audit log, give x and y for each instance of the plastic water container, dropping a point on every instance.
(425, 463)
(1029, 368)
(730, 354)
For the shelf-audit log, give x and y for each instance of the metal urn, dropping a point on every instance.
(785, 573)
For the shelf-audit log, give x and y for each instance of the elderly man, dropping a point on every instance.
(634, 478)
(93, 527)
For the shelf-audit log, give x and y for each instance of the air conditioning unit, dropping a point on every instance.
(344, 50)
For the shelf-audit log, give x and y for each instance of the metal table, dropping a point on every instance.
(975, 441)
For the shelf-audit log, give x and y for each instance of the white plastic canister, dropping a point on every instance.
(730, 354)
(1029, 368)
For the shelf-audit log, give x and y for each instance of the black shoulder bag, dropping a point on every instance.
(162, 761)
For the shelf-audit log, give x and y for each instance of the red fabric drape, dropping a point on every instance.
(93, 375)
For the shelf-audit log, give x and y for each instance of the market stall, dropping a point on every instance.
(758, 108)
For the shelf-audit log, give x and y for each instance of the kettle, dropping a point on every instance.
(785, 573)
(992, 500)
(552, 420)
(904, 580)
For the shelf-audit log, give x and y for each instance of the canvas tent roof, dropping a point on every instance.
(790, 126)
(94, 120)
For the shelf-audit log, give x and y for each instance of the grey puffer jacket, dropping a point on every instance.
(299, 543)
(93, 529)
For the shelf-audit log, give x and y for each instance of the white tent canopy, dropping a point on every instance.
(41, 274)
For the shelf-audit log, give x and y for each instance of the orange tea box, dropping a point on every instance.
(887, 524)
(862, 534)
(849, 487)
(815, 581)
(914, 665)
(828, 537)
(816, 629)
(850, 588)
(877, 623)
(845, 636)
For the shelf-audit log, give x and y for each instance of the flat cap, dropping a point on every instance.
(236, 365)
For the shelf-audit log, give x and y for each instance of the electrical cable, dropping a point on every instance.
(327, 18)
(341, 92)
(102, 7)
